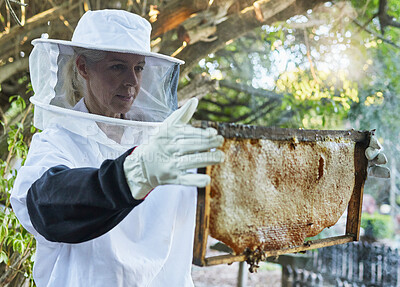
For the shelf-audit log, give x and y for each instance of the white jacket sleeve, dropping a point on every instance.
(64, 203)
(42, 155)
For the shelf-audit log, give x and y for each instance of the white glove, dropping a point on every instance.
(376, 157)
(168, 155)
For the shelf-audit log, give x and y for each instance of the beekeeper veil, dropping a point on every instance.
(59, 90)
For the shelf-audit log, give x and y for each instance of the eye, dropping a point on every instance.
(118, 67)
(139, 68)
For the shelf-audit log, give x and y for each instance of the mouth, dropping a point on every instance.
(125, 98)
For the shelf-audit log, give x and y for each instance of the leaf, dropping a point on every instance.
(3, 257)
(10, 99)
(18, 245)
(3, 231)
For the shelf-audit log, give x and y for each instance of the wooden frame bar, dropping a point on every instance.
(354, 208)
(202, 223)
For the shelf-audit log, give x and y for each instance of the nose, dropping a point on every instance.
(131, 79)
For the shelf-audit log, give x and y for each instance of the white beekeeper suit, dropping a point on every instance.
(78, 194)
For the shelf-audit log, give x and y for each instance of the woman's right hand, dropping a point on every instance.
(169, 154)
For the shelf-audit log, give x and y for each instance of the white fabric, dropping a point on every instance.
(156, 100)
(112, 30)
(376, 159)
(152, 246)
(94, 29)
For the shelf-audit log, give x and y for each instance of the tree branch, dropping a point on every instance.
(13, 13)
(19, 3)
(367, 22)
(198, 87)
(19, 65)
(384, 19)
(13, 269)
(261, 112)
(225, 105)
(306, 42)
(377, 35)
(175, 13)
(259, 109)
(37, 20)
(249, 90)
(269, 103)
(239, 24)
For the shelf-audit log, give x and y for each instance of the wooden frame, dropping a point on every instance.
(352, 233)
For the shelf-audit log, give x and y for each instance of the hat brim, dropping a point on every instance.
(108, 49)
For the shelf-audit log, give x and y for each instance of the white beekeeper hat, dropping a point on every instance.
(110, 31)
(113, 31)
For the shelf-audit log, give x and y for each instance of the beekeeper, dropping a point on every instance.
(109, 186)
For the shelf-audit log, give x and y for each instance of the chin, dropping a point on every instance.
(124, 110)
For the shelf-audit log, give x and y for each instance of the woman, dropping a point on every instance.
(109, 188)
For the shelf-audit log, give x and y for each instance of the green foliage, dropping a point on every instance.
(16, 244)
(286, 76)
(379, 226)
(332, 75)
(17, 106)
(317, 103)
(239, 100)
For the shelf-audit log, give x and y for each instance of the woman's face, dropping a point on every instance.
(112, 83)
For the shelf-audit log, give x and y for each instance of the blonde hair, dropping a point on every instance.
(74, 84)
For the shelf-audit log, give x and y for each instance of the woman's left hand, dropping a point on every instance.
(376, 158)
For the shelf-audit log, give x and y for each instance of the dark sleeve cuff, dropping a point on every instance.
(79, 204)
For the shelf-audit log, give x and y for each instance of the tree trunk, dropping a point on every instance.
(241, 23)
